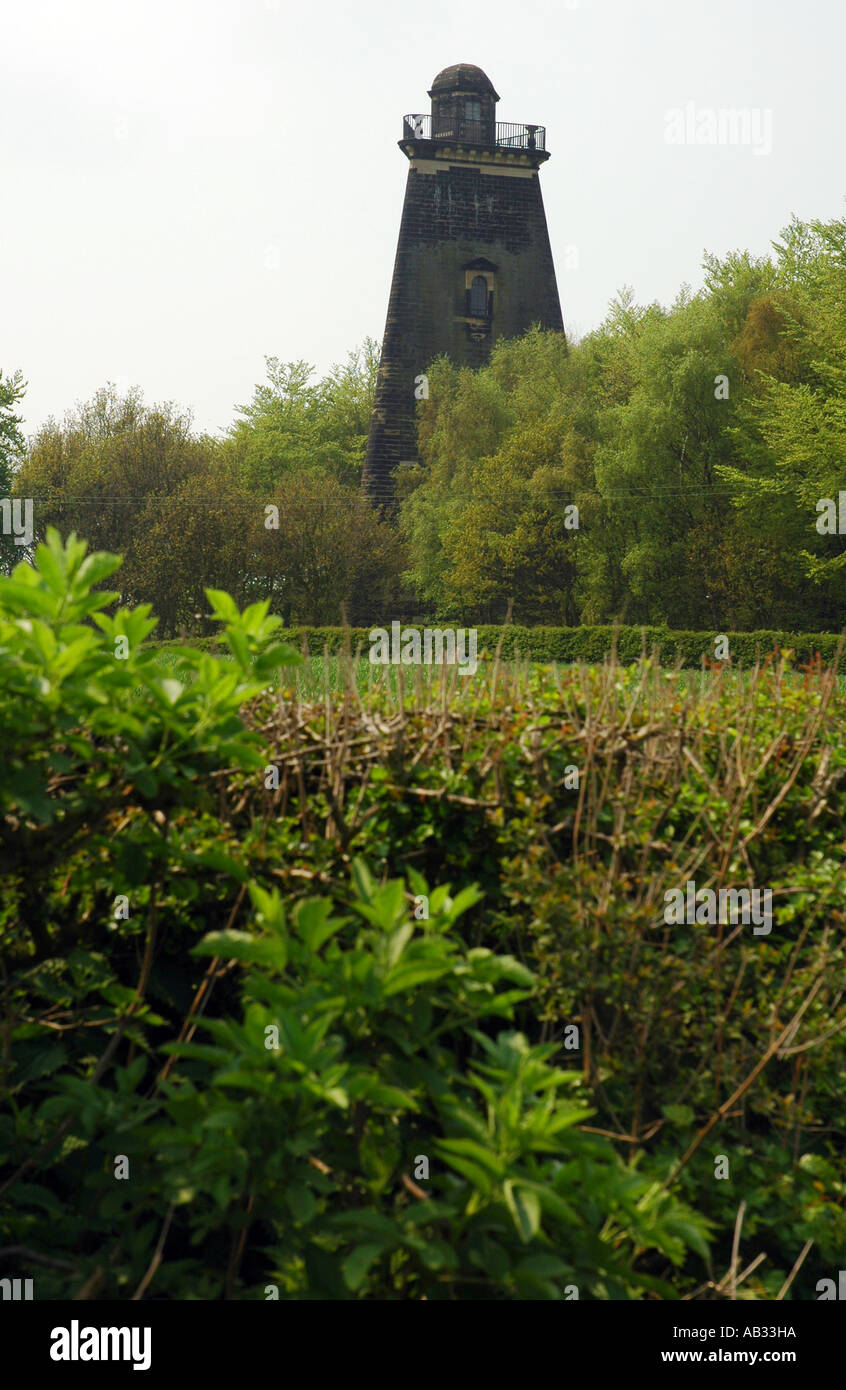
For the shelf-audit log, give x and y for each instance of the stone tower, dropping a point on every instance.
(473, 260)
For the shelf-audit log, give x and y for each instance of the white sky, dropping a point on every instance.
(188, 185)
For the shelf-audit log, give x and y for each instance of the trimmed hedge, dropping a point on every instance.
(568, 644)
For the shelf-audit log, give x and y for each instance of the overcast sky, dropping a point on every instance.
(190, 185)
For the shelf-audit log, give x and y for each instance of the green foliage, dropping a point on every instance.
(293, 424)
(330, 552)
(190, 512)
(369, 1019)
(11, 440)
(695, 441)
(722, 779)
(793, 431)
(94, 738)
(251, 1163)
(563, 644)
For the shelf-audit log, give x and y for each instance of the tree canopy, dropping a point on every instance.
(695, 441)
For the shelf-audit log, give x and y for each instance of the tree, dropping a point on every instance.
(12, 446)
(106, 462)
(485, 513)
(292, 425)
(134, 479)
(329, 553)
(696, 441)
(793, 423)
(206, 534)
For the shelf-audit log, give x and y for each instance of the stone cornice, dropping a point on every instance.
(498, 159)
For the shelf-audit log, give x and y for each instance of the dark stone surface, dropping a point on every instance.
(450, 218)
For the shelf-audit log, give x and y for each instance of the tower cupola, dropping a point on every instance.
(464, 105)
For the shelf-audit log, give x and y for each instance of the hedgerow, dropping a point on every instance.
(360, 1124)
(446, 1044)
(595, 644)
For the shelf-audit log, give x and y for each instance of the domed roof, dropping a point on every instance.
(463, 77)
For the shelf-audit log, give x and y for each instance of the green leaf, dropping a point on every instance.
(680, 1115)
(469, 1148)
(544, 1266)
(409, 974)
(315, 924)
(689, 1233)
(240, 945)
(172, 689)
(215, 859)
(525, 1209)
(356, 1265)
(302, 1203)
(224, 607)
(474, 1172)
(363, 880)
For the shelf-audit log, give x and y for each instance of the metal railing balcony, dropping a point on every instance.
(506, 134)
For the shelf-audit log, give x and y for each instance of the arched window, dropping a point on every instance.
(479, 297)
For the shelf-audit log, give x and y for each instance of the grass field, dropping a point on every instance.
(331, 674)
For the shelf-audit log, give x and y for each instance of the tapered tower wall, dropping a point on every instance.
(473, 261)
